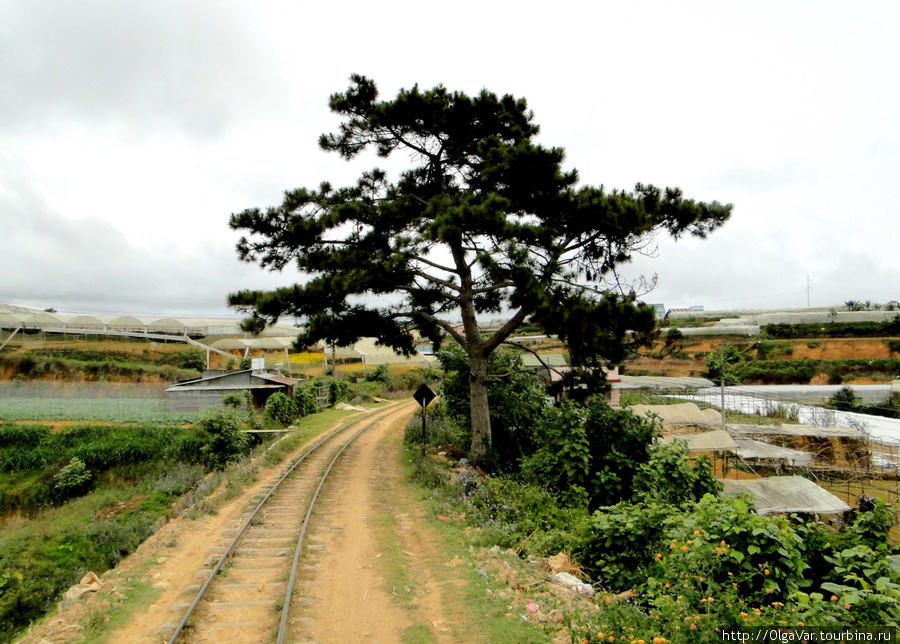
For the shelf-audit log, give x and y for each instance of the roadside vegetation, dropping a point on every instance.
(673, 559)
(79, 497)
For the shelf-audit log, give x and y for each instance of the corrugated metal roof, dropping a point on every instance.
(787, 494)
(282, 380)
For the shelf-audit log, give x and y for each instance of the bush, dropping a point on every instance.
(440, 429)
(590, 455)
(225, 440)
(383, 375)
(233, 400)
(668, 476)
(338, 390)
(305, 399)
(843, 400)
(281, 409)
(72, 480)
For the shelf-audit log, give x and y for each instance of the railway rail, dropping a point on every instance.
(252, 571)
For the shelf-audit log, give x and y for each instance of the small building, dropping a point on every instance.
(207, 391)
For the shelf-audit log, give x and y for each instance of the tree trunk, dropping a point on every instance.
(478, 399)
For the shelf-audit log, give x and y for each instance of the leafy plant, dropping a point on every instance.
(668, 476)
(72, 480)
(844, 399)
(305, 399)
(233, 400)
(281, 408)
(225, 439)
(590, 455)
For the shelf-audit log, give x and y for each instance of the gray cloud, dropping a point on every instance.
(133, 65)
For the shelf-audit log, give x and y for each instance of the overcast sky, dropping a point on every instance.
(131, 130)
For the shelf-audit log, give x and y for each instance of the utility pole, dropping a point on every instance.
(807, 291)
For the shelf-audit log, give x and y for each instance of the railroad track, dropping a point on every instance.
(246, 592)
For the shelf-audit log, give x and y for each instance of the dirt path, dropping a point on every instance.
(369, 574)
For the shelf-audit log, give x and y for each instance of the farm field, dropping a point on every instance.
(111, 402)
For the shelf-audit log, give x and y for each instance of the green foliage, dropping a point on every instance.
(590, 455)
(893, 346)
(872, 524)
(622, 541)
(281, 408)
(518, 233)
(40, 558)
(245, 363)
(764, 349)
(517, 399)
(38, 365)
(338, 390)
(224, 440)
(843, 399)
(835, 330)
(719, 365)
(513, 514)
(802, 371)
(72, 480)
(668, 476)
(305, 399)
(441, 430)
(233, 400)
(381, 374)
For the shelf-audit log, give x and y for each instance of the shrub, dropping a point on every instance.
(72, 480)
(383, 375)
(225, 440)
(518, 402)
(281, 409)
(233, 400)
(305, 399)
(590, 455)
(668, 476)
(843, 400)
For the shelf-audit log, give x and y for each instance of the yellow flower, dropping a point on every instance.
(696, 533)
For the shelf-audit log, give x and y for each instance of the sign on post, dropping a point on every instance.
(423, 396)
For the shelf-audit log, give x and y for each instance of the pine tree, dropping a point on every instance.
(485, 222)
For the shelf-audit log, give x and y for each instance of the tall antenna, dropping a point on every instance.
(808, 287)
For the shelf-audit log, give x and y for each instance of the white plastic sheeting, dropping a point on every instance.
(786, 494)
(679, 414)
(714, 441)
(750, 450)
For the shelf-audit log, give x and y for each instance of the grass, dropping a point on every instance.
(478, 616)
(44, 555)
(107, 617)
